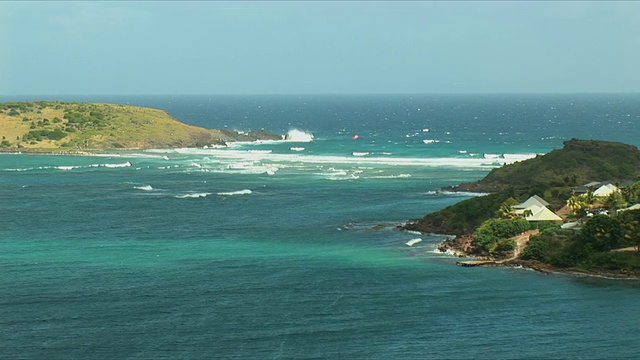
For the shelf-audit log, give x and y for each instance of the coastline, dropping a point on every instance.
(446, 247)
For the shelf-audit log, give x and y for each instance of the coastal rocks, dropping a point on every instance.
(460, 246)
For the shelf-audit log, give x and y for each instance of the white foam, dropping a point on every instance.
(295, 148)
(456, 193)
(296, 135)
(399, 176)
(259, 162)
(193, 195)
(413, 241)
(493, 156)
(127, 164)
(430, 141)
(144, 187)
(239, 192)
(66, 167)
(360, 153)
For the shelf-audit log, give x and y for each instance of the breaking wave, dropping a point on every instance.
(456, 193)
(192, 195)
(296, 135)
(232, 193)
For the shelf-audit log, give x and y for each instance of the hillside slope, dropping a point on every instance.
(579, 162)
(51, 126)
(551, 176)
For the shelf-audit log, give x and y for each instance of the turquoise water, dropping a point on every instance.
(272, 250)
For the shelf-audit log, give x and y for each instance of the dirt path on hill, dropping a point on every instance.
(521, 242)
(630, 248)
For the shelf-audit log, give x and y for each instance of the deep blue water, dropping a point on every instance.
(269, 250)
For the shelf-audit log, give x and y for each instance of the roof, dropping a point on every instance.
(534, 200)
(633, 207)
(605, 190)
(543, 214)
(532, 208)
(592, 184)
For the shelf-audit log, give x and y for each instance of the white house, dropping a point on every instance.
(535, 200)
(537, 207)
(605, 190)
(543, 214)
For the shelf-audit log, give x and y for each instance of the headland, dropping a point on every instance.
(574, 210)
(64, 127)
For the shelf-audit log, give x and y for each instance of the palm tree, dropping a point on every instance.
(614, 202)
(507, 212)
(577, 205)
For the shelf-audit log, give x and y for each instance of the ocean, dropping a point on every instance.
(289, 250)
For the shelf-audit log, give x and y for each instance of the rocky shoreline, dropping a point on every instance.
(461, 247)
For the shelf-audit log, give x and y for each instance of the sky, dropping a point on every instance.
(318, 47)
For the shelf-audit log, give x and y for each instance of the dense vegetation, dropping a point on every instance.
(591, 248)
(579, 162)
(490, 221)
(494, 235)
(550, 176)
(461, 218)
(60, 126)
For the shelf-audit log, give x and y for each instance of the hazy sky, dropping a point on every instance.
(306, 47)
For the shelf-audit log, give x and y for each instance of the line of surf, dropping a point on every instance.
(244, 156)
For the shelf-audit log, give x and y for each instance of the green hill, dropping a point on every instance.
(579, 162)
(52, 126)
(551, 176)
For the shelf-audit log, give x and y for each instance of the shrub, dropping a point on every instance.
(492, 231)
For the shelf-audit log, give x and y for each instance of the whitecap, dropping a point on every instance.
(296, 135)
(493, 156)
(413, 241)
(430, 141)
(144, 187)
(296, 148)
(239, 192)
(192, 195)
(66, 167)
(360, 153)
(458, 193)
(127, 164)
(399, 176)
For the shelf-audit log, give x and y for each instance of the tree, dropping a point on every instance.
(506, 210)
(631, 224)
(601, 233)
(614, 201)
(577, 205)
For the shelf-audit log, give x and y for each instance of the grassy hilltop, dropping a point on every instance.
(551, 176)
(595, 244)
(579, 162)
(52, 126)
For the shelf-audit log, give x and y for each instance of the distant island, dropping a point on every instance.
(56, 127)
(572, 210)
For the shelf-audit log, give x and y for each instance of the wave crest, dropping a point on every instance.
(239, 192)
(296, 135)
